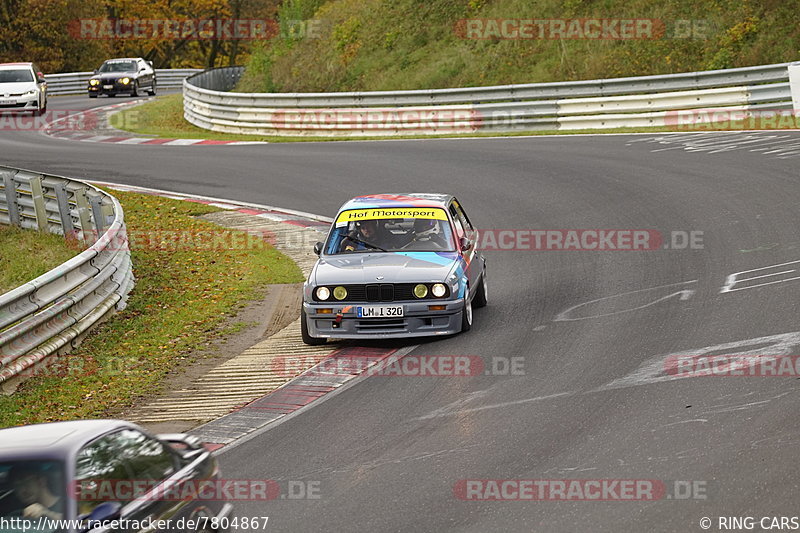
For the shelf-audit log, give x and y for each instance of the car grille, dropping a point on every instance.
(377, 292)
(10, 106)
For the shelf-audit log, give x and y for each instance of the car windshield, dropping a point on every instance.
(118, 66)
(391, 230)
(29, 488)
(16, 76)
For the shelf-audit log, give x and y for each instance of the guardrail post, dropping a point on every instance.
(11, 196)
(63, 208)
(97, 214)
(84, 215)
(38, 202)
(794, 84)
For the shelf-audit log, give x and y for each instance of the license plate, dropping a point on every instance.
(380, 311)
(108, 86)
(8, 102)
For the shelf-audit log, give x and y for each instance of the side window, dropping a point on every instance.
(462, 222)
(123, 455)
(457, 221)
(146, 457)
(98, 470)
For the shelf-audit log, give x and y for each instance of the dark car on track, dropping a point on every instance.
(395, 266)
(102, 470)
(123, 76)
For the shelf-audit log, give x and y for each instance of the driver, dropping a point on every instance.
(427, 232)
(365, 231)
(31, 489)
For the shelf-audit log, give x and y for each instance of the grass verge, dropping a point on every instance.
(163, 117)
(17, 246)
(183, 296)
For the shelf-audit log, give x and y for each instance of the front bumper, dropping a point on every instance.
(417, 320)
(111, 88)
(19, 103)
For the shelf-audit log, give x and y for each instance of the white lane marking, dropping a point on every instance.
(701, 420)
(733, 279)
(134, 140)
(684, 294)
(182, 142)
(781, 145)
(454, 409)
(654, 370)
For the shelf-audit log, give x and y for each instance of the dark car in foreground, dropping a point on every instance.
(123, 76)
(101, 470)
(395, 266)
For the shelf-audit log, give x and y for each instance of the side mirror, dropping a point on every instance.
(318, 248)
(94, 71)
(188, 446)
(466, 244)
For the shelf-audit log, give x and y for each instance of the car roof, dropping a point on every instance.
(55, 438)
(398, 200)
(15, 65)
(123, 59)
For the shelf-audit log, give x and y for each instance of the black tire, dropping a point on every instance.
(466, 316)
(135, 90)
(92, 95)
(480, 299)
(152, 91)
(112, 95)
(308, 339)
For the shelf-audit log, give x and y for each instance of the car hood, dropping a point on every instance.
(16, 87)
(395, 267)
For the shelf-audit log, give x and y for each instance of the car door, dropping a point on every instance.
(145, 74)
(464, 228)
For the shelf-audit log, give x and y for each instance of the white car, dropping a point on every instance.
(22, 88)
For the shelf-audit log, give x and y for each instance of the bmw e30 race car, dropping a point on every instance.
(395, 266)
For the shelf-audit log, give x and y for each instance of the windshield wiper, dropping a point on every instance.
(365, 243)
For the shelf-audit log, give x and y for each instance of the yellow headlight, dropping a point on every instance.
(94, 82)
(340, 293)
(125, 81)
(420, 291)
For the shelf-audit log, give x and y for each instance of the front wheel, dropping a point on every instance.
(135, 91)
(466, 316)
(481, 299)
(308, 339)
(92, 95)
(152, 91)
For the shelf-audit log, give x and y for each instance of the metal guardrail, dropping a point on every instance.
(592, 104)
(77, 82)
(51, 314)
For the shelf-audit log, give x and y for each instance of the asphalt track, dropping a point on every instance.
(387, 452)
